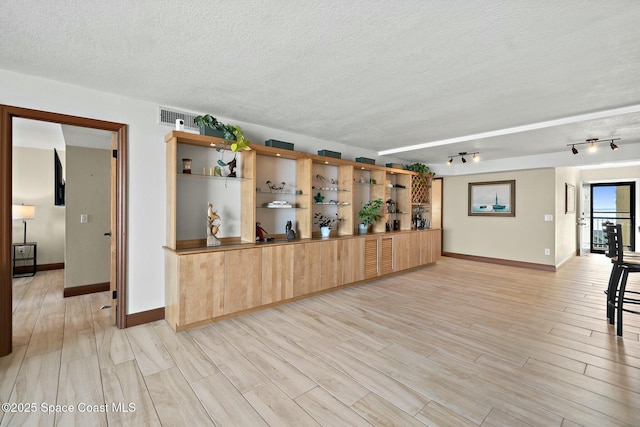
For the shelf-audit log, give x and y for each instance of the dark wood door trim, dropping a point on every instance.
(7, 113)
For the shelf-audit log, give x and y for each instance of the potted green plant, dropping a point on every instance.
(422, 170)
(369, 214)
(210, 126)
(325, 222)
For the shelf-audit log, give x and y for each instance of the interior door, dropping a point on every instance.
(112, 233)
(584, 219)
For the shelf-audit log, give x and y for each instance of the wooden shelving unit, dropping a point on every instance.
(207, 283)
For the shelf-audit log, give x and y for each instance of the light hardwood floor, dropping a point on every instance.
(460, 343)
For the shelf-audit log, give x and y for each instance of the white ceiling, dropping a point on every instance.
(375, 74)
(47, 136)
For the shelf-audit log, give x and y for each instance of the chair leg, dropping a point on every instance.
(614, 280)
(623, 285)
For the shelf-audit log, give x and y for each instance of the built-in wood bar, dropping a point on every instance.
(209, 284)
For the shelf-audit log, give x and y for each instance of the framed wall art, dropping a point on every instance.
(569, 198)
(493, 198)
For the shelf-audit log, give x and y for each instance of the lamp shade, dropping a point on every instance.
(23, 211)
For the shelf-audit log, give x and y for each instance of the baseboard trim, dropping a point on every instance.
(508, 262)
(21, 269)
(85, 289)
(142, 317)
(56, 266)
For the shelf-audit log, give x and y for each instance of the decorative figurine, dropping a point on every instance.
(318, 198)
(213, 226)
(275, 188)
(261, 234)
(291, 234)
(232, 168)
(186, 165)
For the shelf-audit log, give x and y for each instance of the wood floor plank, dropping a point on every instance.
(151, 354)
(240, 371)
(189, 358)
(388, 388)
(80, 387)
(277, 408)
(379, 412)
(337, 383)
(125, 391)
(459, 343)
(224, 403)
(175, 401)
(37, 382)
(327, 410)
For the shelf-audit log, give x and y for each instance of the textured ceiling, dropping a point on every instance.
(376, 74)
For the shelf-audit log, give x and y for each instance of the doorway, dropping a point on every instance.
(7, 114)
(612, 203)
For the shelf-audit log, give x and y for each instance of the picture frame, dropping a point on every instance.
(569, 198)
(492, 198)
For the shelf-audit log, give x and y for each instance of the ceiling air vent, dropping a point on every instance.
(169, 117)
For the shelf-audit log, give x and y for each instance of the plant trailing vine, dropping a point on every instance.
(322, 220)
(233, 135)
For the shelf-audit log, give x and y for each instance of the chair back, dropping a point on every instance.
(615, 248)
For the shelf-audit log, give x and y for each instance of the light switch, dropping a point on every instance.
(84, 218)
(548, 217)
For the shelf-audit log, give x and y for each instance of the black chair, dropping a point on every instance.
(616, 289)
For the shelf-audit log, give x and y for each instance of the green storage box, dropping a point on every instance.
(279, 144)
(328, 153)
(365, 160)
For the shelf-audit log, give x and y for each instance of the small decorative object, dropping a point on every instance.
(232, 168)
(213, 226)
(276, 188)
(391, 206)
(261, 234)
(372, 181)
(186, 165)
(179, 124)
(318, 198)
(325, 231)
(369, 214)
(290, 233)
(278, 204)
(387, 227)
(396, 225)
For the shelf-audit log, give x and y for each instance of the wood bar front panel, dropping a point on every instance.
(243, 284)
(307, 269)
(330, 265)
(277, 273)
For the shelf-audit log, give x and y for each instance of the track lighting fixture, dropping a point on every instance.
(475, 157)
(591, 142)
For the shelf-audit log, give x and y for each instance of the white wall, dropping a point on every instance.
(146, 169)
(33, 185)
(566, 223)
(88, 251)
(521, 238)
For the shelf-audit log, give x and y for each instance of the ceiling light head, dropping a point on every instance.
(463, 160)
(613, 146)
(450, 160)
(592, 147)
(476, 157)
(574, 150)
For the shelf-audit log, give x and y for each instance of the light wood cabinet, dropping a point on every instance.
(277, 273)
(207, 283)
(307, 269)
(243, 280)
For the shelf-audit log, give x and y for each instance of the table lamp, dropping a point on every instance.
(23, 212)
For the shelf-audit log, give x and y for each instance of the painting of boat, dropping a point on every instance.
(497, 206)
(493, 198)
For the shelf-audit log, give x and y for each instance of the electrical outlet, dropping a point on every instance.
(547, 251)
